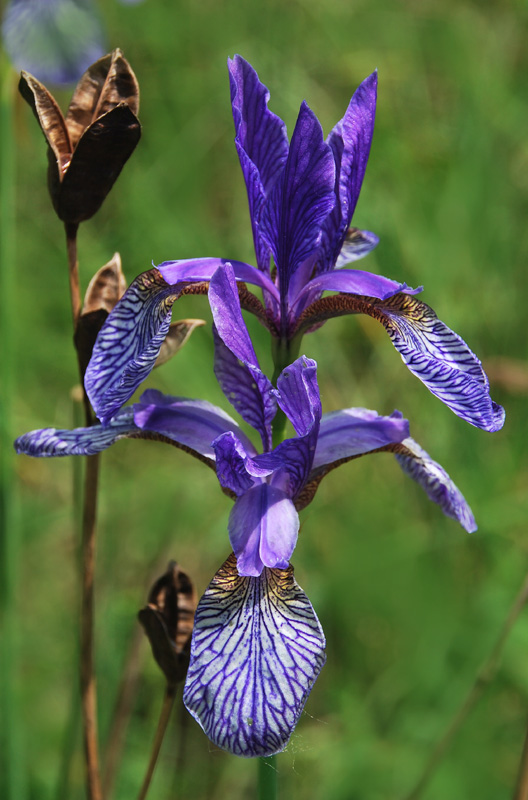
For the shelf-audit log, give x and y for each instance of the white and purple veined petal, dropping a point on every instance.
(437, 484)
(440, 359)
(261, 142)
(257, 649)
(129, 342)
(50, 442)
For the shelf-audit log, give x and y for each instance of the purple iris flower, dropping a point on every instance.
(257, 645)
(54, 40)
(302, 195)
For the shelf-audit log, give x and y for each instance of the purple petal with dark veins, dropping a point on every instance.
(440, 359)
(237, 368)
(257, 649)
(353, 431)
(355, 281)
(79, 441)
(263, 527)
(437, 484)
(187, 270)
(231, 463)
(298, 396)
(129, 343)
(193, 423)
(300, 200)
(350, 141)
(261, 142)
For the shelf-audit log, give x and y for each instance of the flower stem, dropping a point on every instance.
(73, 269)
(12, 770)
(88, 684)
(483, 678)
(168, 702)
(267, 778)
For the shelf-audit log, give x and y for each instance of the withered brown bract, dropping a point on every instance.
(107, 286)
(88, 148)
(168, 620)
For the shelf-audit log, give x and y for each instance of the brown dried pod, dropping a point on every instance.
(107, 286)
(88, 148)
(177, 335)
(168, 620)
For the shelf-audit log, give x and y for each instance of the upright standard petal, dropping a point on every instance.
(257, 649)
(300, 200)
(236, 364)
(261, 142)
(51, 442)
(350, 141)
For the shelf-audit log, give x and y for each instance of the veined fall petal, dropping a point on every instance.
(256, 651)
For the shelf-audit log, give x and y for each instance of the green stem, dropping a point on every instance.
(12, 773)
(267, 778)
(87, 676)
(284, 352)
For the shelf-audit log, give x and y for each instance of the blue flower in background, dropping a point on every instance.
(257, 644)
(302, 195)
(55, 40)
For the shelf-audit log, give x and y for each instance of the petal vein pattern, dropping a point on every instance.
(441, 360)
(257, 649)
(129, 343)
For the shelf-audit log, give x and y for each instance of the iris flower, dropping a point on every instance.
(55, 40)
(257, 646)
(302, 195)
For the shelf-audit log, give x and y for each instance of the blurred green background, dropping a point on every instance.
(410, 604)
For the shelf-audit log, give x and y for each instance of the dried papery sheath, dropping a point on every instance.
(168, 622)
(89, 147)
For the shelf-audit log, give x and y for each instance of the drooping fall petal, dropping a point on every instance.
(256, 651)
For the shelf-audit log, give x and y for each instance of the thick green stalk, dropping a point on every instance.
(11, 779)
(284, 352)
(267, 778)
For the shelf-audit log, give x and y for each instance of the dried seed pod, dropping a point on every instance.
(89, 147)
(168, 620)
